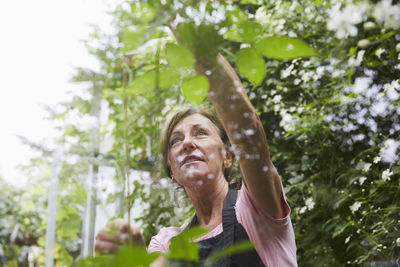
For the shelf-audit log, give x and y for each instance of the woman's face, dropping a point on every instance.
(196, 151)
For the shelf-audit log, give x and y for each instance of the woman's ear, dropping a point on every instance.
(228, 158)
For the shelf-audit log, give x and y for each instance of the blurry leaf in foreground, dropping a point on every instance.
(250, 30)
(283, 47)
(203, 39)
(125, 257)
(234, 249)
(251, 65)
(195, 89)
(179, 57)
(183, 247)
(147, 81)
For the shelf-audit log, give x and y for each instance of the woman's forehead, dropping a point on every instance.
(194, 120)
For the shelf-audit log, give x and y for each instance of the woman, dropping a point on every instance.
(195, 156)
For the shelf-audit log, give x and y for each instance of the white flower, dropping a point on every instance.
(347, 240)
(302, 210)
(343, 21)
(286, 72)
(310, 203)
(356, 205)
(360, 55)
(369, 25)
(393, 85)
(362, 179)
(379, 52)
(363, 43)
(386, 175)
(377, 159)
(366, 167)
(389, 149)
(388, 14)
(398, 241)
(262, 16)
(277, 99)
(398, 47)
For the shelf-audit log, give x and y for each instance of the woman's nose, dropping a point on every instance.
(188, 144)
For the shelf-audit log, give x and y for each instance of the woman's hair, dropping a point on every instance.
(179, 116)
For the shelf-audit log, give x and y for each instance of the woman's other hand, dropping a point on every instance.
(115, 234)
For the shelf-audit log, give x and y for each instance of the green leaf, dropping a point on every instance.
(203, 39)
(252, 2)
(250, 31)
(179, 57)
(183, 247)
(195, 89)
(234, 249)
(163, 78)
(167, 78)
(143, 82)
(141, 12)
(125, 257)
(251, 65)
(133, 39)
(283, 47)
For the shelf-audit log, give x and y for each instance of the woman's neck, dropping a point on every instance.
(208, 201)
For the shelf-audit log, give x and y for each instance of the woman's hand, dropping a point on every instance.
(115, 234)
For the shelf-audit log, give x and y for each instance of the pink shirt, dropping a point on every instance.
(273, 238)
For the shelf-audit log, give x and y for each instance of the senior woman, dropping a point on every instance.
(196, 157)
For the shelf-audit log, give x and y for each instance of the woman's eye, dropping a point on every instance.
(201, 132)
(174, 141)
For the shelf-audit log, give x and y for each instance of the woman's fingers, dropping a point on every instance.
(105, 247)
(118, 224)
(116, 234)
(109, 235)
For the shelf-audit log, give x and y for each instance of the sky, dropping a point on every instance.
(39, 48)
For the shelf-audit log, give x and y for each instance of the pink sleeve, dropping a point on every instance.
(274, 238)
(161, 241)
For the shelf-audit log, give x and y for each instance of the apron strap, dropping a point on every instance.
(230, 201)
(228, 222)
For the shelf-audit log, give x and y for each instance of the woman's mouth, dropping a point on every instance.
(191, 159)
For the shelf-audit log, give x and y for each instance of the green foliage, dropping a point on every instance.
(249, 31)
(183, 247)
(322, 112)
(203, 39)
(251, 65)
(125, 257)
(179, 57)
(195, 88)
(282, 47)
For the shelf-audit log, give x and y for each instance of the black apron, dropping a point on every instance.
(232, 232)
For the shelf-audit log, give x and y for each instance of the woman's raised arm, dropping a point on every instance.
(245, 132)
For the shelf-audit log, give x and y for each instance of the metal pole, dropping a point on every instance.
(52, 210)
(90, 209)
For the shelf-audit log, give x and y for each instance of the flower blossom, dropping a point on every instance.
(388, 151)
(386, 175)
(343, 21)
(310, 203)
(377, 159)
(387, 14)
(356, 205)
(362, 180)
(366, 167)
